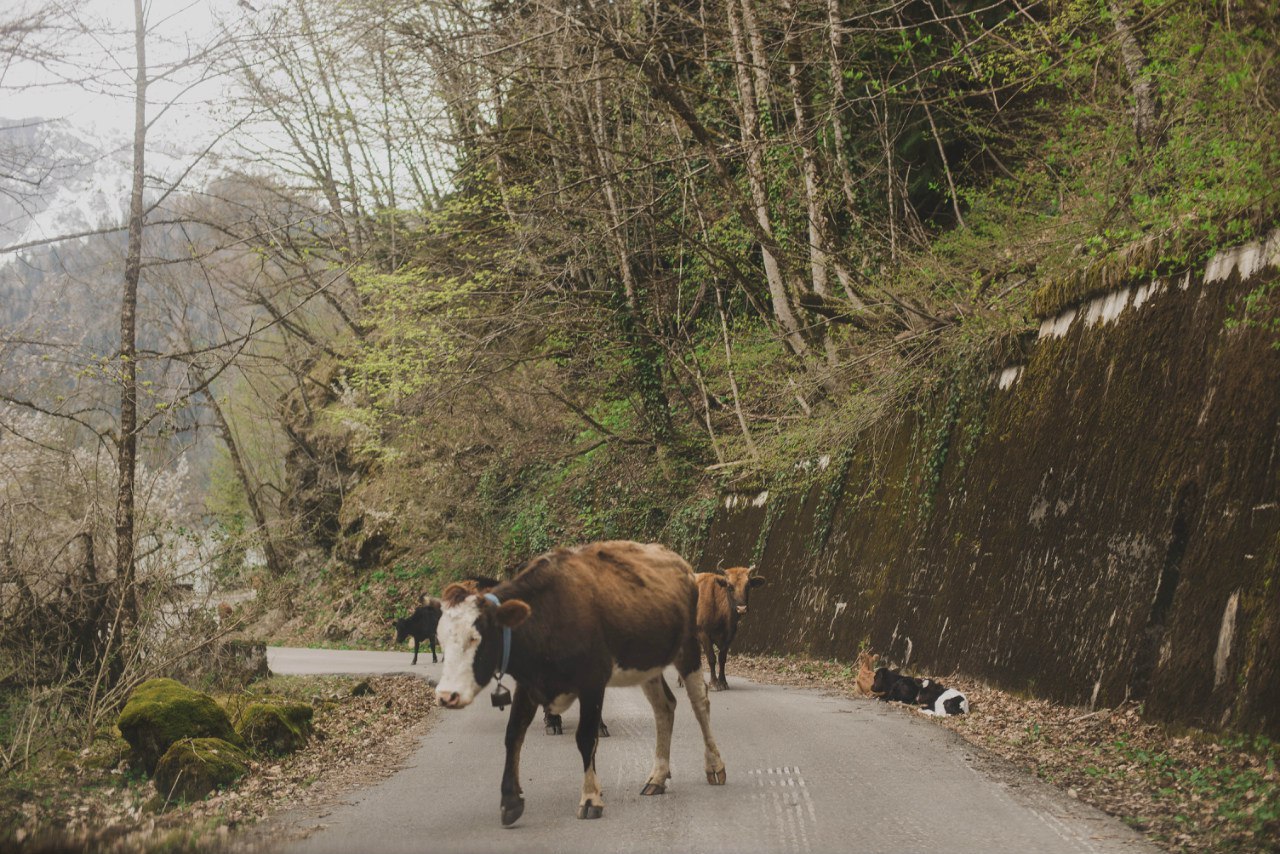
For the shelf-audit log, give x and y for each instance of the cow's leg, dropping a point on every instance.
(590, 704)
(415, 652)
(664, 716)
(724, 653)
(522, 711)
(431, 641)
(697, 691)
(710, 652)
(716, 659)
(553, 723)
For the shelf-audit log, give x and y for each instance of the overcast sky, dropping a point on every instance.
(100, 62)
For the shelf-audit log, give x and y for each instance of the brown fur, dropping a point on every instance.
(866, 672)
(628, 595)
(719, 599)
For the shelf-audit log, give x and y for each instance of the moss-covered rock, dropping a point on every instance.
(193, 767)
(162, 711)
(276, 728)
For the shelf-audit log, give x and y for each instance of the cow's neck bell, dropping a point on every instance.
(501, 697)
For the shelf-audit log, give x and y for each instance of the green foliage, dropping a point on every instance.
(1260, 309)
(1247, 794)
(831, 486)
(415, 311)
(686, 530)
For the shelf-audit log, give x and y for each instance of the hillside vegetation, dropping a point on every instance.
(690, 246)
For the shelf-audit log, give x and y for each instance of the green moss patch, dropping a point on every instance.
(162, 711)
(193, 767)
(275, 728)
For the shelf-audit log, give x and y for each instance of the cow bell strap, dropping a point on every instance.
(506, 639)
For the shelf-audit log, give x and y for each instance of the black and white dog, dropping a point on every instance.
(933, 697)
(892, 685)
(949, 702)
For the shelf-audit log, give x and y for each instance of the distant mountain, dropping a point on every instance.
(58, 179)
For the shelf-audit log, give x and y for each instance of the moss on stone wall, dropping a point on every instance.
(1076, 535)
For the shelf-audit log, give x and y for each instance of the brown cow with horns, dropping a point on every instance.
(722, 602)
(605, 614)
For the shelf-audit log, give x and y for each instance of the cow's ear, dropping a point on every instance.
(722, 581)
(455, 594)
(512, 613)
(756, 581)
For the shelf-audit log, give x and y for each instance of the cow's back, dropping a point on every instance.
(635, 599)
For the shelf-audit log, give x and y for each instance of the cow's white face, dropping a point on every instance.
(470, 634)
(460, 640)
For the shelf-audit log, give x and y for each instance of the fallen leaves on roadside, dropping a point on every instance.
(355, 740)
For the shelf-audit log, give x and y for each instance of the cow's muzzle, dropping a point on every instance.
(450, 699)
(742, 609)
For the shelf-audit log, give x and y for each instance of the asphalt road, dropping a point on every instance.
(807, 773)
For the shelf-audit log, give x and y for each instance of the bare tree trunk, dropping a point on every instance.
(1145, 109)
(127, 450)
(809, 163)
(733, 382)
(754, 147)
(275, 566)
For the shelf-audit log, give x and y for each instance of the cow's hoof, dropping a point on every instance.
(654, 789)
(590, 811)
(554, 729)
(512, 809)
(717, 778)
(604, 730)
(724, 686)
(715, 686)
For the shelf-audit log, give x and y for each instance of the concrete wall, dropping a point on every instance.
(1098, 520)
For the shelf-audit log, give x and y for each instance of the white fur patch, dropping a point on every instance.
(939, 705)
(561, 704)
(459, 640)
(625, 678)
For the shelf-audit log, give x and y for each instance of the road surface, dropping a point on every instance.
(807, 773)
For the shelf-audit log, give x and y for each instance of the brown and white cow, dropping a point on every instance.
(604, 614)
(552, 723)
(722, 602)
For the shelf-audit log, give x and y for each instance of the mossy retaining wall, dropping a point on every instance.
(1099, 522)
